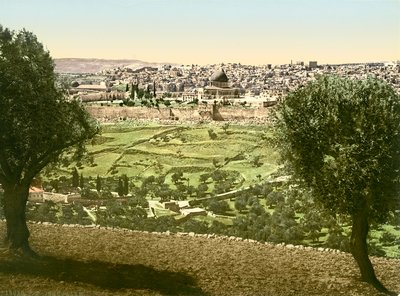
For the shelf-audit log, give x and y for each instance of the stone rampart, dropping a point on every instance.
(193, 113)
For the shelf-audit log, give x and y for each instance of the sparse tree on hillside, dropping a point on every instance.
(225, 127)
(75, 178)
(241, 203)
(218, 206)
(133, 93)
(125, 184)
(204, 177)
(177, 177)
(201, 189)
(212, 134)
(139, 93)
(98, 183)
(340, 138)
(120, 188)
(37, 124)
(81, 181)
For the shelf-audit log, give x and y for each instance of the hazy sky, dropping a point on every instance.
(212, 31)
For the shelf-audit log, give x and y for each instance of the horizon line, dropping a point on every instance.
(292, 62)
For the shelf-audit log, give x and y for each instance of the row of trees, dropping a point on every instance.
(257, 222)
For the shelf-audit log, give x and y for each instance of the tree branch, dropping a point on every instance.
(37, 165)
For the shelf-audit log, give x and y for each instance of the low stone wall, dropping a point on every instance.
(192, 234)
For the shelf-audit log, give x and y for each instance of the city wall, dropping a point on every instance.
(194, 113)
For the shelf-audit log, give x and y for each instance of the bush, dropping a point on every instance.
(241, 203)
(89, 194)
(218, 206)
(195, 226)
(389, 239)
(212, 134)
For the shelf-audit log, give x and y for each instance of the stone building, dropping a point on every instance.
(219, 88)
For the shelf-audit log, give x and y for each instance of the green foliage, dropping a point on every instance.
(241, 203)
(312, 224)
(120, 188)
(275, 197)
(177, 177)
(138, 201)
(195, 226)
(218, 206)
(89, 193)
(341, 138)
(389, 239)
(98, 183)
(337, 240)
(202, 188)
(212, 134)
(225, 127)
(125, 184)
(75, 177)
(81, 181)
(37, 120)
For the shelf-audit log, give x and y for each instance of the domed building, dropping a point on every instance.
(219, 79)
(219, 87)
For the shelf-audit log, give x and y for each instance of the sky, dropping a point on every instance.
(212, 31)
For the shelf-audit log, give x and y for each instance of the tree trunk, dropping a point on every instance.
(359, 249)
(15, 198)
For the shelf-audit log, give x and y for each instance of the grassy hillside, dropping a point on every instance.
(242, 153)
(142, 151)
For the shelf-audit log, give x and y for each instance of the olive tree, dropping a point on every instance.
(340, 138)
(37, 124)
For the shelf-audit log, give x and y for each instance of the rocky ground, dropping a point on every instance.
(89, 261)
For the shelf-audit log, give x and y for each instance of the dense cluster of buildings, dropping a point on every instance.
(229, 82)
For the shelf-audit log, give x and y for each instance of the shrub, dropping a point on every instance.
(212, 134)
(195, 226)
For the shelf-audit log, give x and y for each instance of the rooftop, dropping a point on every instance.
(219, 76)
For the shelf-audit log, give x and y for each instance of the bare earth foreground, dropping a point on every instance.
(90, 261)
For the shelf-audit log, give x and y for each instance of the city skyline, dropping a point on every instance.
(207, 32)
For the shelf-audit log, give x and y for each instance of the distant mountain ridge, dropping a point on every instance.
(86, 65)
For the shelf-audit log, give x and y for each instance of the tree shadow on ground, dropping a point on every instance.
(105, 275)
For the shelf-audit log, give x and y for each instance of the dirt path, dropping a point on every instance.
(86, 261)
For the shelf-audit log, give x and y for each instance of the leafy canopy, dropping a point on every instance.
(37, 120)
(341, 138)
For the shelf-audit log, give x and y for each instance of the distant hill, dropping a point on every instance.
(80, 65)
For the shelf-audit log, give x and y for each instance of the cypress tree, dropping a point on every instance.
(81, 181)
(125, 184)
(75, 178)
(98, 183)
(120, 188)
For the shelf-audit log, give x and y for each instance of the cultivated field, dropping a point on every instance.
(85, 261)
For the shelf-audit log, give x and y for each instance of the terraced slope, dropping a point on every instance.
(142, 151)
